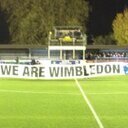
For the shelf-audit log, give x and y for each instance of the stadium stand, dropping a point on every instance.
(64, 43)
(10, 54)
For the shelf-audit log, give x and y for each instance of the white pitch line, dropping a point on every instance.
(37, 92)
(89, 105)
(62, 93)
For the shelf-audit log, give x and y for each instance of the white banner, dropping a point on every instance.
(56, 71)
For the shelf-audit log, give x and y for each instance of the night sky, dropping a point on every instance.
(101, 16)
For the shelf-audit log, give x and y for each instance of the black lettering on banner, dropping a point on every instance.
(116, 68)
(79, 71)
(6, 69)
(26, 71)
(62, 71)
(34, 71)
(85, 71)
(15, 70)
(92, 69)
(99, 69)
(41, 72)
(9, 70)
(54, 71)
(69, 71)
(108, 68)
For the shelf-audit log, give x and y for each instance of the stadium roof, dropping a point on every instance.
(106, 47)
(23, 46)
(16, 46)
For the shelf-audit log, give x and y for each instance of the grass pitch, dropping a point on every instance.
(59, 104)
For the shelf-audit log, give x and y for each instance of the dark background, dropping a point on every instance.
(4, 32)
(101, 16)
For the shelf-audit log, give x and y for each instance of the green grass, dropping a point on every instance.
(59, 104)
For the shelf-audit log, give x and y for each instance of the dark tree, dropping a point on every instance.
(4, 30)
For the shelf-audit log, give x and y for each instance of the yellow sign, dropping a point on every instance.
(67, 39)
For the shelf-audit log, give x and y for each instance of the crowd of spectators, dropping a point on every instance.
(106, 55)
